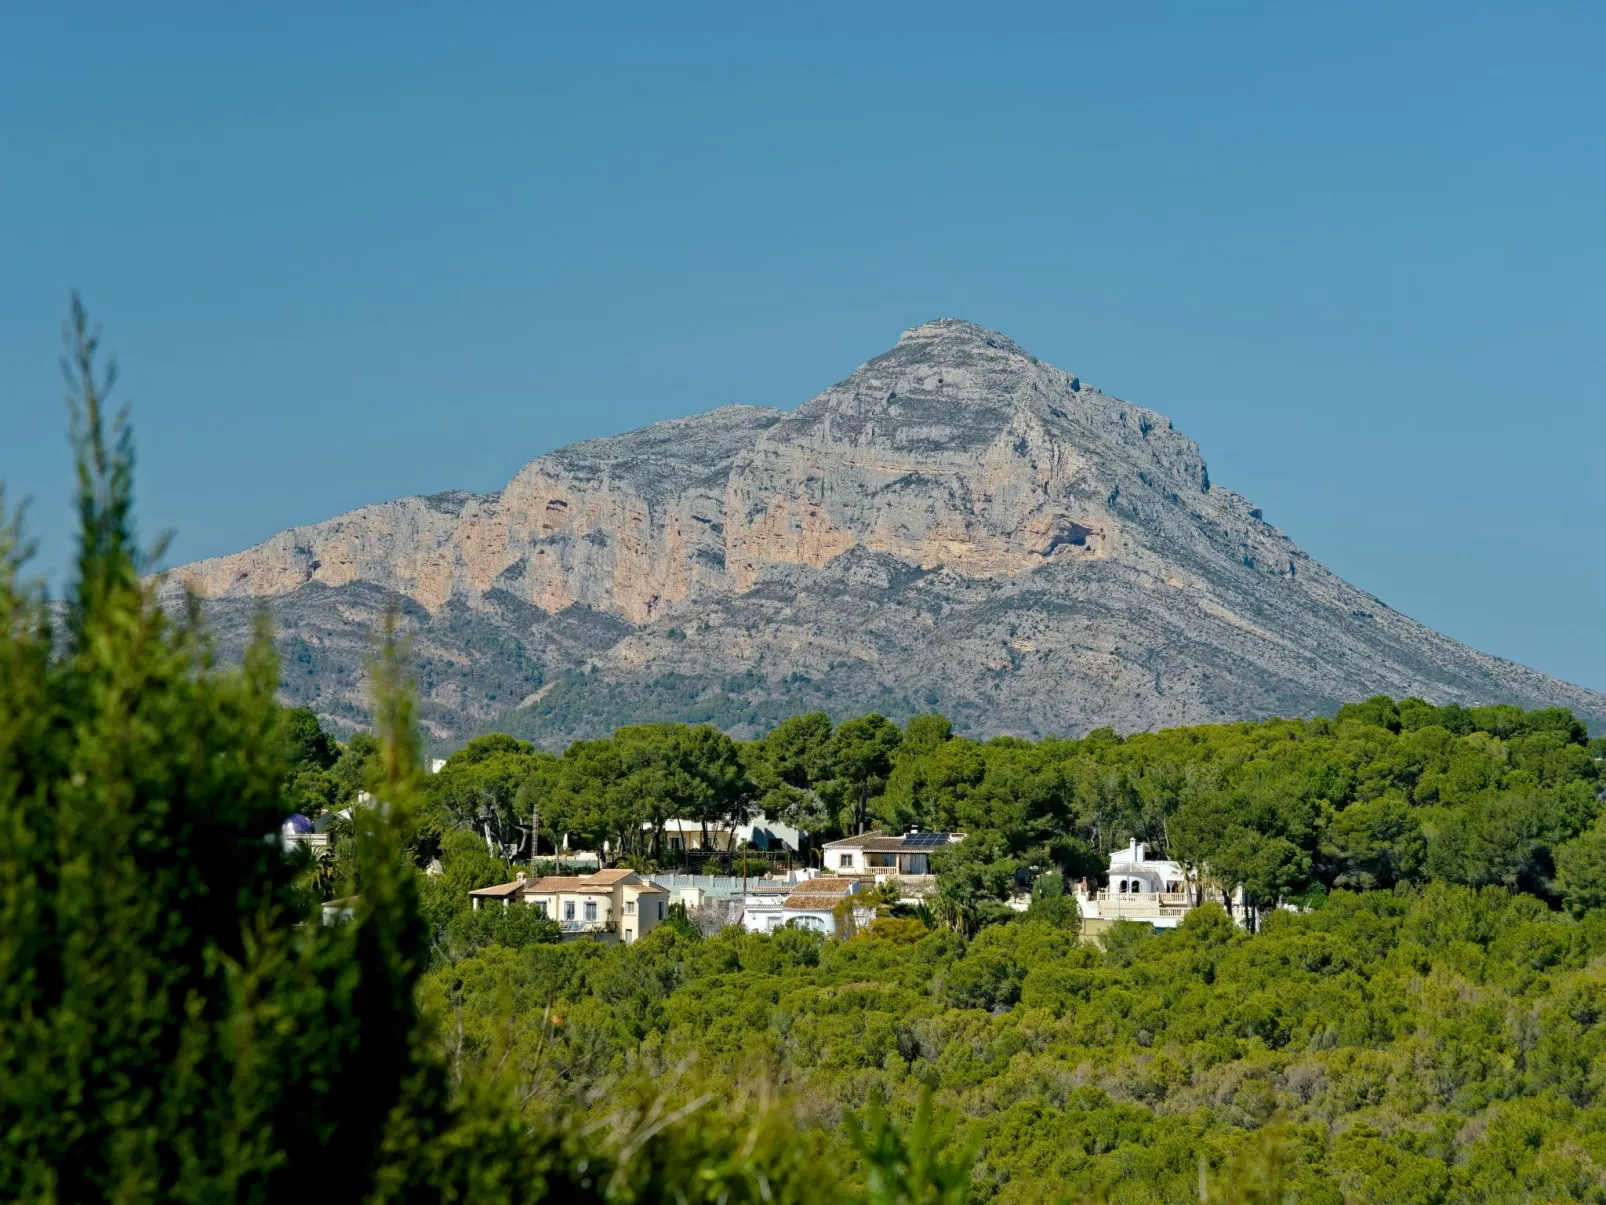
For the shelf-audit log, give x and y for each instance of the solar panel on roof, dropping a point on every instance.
(923, 839)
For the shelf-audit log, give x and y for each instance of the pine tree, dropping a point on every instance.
(174, 1023)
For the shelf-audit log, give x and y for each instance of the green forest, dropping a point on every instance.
(1410, 1007)
(1385, 795)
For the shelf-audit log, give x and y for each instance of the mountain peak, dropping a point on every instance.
(956, 524)
(958, 332)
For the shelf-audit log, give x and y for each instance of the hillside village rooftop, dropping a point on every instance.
(609, 904)
(909, 854)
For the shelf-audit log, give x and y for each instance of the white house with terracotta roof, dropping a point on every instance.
(608, 905)
(881, 854)
(811, 904)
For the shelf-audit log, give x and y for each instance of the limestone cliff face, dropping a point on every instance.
(955, 524)
(625, 525)
(955, 448)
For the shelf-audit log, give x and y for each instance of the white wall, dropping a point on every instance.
(823, 921)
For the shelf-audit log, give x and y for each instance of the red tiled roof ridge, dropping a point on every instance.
(817, 902)
(553, 882)
(499, 888)
(598, 882)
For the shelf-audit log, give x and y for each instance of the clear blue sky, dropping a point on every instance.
(350, 252)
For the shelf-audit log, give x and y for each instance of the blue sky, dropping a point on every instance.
(350, 252)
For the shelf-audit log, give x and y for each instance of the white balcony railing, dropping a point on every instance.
(1180, 899)
(1140, 906)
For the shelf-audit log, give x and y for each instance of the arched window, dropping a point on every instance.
(1137, 886)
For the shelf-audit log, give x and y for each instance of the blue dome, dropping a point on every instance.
(298, 824)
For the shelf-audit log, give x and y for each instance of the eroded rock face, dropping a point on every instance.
(956, 524)
(955, 448)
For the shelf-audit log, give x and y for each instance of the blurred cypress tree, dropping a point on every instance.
(174, 1024)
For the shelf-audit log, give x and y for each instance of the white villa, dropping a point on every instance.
(608, 905)
(881, 854)
(810, 904)
(904, 861)
(1153, 890)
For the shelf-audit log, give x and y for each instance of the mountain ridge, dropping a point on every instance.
(994, 521)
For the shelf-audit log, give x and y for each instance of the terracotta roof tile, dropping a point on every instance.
(836, 884)
(816, 903)
(554, 882)
(500, 890)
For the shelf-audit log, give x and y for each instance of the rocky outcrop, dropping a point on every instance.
(956, 524)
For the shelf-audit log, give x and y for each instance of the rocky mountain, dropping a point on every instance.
(956, 526)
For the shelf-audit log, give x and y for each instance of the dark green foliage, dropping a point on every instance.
(1438, 1045)
(169, 1031)
(678, 921)
(478, 789)
(622, 789)
(312, 792)
(465, 866)
(306, 744)
(784, 767)
(355, 765)
(913, 1167)
(923, 734)
(497, 925)
(1385, 794)
(856, 762)
(1052, 905)
(1581, 871)
(1378, 710)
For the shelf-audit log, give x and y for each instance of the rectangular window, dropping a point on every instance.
(591, 909)
(844, 861)
(540, 907)
(660, 910)
(630, 935)
(630, 907)
(568, 909)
